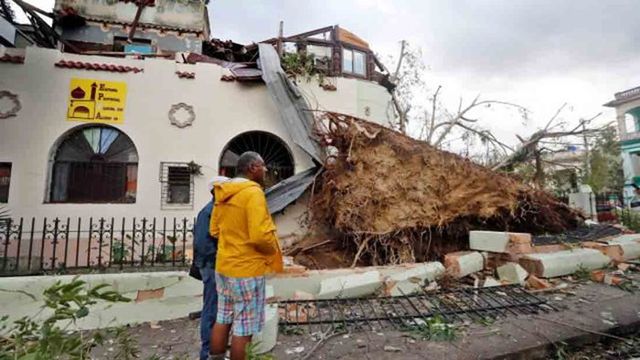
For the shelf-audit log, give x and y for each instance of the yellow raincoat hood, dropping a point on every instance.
(247, 241)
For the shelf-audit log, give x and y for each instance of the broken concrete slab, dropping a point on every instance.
(286, 284)
(267, 338)
(513, 273)
(535, 283)
(617, 251)
(563, 263)
(500, 242)
(623, 239)
(462, 263)
(490, 282)
(540, 249)
(613, 278)
(348, 286)
(494, 260)
(412, 279)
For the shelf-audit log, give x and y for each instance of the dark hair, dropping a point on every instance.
(246, 160)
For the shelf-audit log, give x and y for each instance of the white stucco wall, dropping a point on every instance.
(223, 110)
(364, 99)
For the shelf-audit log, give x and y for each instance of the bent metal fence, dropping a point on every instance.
(39, 246)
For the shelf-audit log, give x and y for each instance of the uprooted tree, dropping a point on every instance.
(391, 199)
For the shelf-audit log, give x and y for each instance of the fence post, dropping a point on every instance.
(100, 238)
(6, 245)
(66, 243)
(19, 246)
(184, 241)
(164, 240)
(33, 227)
(44, 231)
(122, 254)
(89, 243)
(153, 242)
(111, 242)
(175, 239)
(144, 236)
(133, 242)
(78, 242)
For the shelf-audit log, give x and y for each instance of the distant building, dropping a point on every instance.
(627, 105)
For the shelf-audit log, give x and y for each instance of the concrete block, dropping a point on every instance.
(494, 260)
(512, 273)
(563, 262)
(617, 251)
(543, 249)
(462, 263)
(412, 279)
(624, 267)
(267, 338)
(491, 282)
(500, 242)
(352, 285)
(623, 239)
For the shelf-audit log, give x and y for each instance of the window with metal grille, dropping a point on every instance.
(94, 164)
(177, 185)
(5, 179)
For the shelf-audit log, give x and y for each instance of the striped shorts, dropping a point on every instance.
(241, 302)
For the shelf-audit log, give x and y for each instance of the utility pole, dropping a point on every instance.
(587, 164)
(280, 47)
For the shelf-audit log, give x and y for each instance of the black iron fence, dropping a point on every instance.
(39, 246)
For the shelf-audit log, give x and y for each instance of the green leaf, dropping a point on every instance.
(82, 312)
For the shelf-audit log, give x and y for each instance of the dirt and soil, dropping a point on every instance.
(389, 199)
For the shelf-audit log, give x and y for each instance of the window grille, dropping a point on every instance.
(177, 186)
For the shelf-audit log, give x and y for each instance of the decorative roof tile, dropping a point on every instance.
(14, 59)
(186, 75)
(68, 64)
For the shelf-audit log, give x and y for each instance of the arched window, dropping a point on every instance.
(95, 164)
(274, 151)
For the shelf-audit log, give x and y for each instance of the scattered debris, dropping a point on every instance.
(296, 350)
(624, 266)
(490, 282)
(512, 273)
(390, 348)
(535, 283)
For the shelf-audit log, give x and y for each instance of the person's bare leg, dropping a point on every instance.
(239, 346)
(219, 338)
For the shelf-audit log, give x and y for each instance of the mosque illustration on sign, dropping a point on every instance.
(80, 107)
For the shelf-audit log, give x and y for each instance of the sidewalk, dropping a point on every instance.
(594, 306)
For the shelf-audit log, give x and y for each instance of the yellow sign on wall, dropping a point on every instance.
(97, 101)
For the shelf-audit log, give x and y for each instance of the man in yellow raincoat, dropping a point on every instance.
(248, 249)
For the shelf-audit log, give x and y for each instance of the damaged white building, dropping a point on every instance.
(131, 109)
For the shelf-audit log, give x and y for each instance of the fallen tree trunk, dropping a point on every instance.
(390, 199)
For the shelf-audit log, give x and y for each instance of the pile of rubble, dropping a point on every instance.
(512, 258)
(390, 199)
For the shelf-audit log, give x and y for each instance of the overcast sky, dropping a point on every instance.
(537, 53)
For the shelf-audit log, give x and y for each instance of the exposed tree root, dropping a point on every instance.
(394, 199)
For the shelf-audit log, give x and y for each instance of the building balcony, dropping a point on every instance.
(628, 94)
(630, 136)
